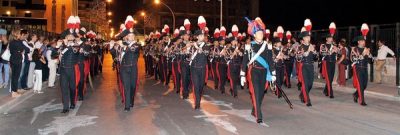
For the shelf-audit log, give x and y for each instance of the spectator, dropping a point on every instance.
(342, 62)
(32, 42)
(39, 60)
(52, 58)
(28, 49)
(4, 63)
(381, 60)
(45, 69)
(17, 50)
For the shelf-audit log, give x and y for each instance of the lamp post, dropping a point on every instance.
(221, 9)
(143, 14)
(173, 15)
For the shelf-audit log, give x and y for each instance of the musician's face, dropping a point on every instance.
(278, 44)
(222, 42)
(130, 37)
(329, 39)
(361, 43)
(70, 37)
(200, 37)
(259, 36)
(306, 39)
(234, 43)
(215, 43)
(186, 37)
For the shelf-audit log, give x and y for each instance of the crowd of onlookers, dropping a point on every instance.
(27, 60)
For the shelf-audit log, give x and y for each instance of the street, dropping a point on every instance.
(160, 111)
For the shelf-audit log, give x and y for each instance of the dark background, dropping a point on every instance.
(292, 13)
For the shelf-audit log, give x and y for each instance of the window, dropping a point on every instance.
(14, 3)
(28, 14)
(5, 3)
(231, 12)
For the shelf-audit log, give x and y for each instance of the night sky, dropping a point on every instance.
(123, 8)
(292, 13)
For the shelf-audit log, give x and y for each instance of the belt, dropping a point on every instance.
(382, 60)
(257, 67)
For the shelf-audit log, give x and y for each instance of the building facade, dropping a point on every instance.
(28, 14)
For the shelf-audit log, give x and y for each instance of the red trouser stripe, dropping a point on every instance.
(252, 93)
(356, 83)
(301, 79)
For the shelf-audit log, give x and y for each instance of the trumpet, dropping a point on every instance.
(278, 57)
(299, 54)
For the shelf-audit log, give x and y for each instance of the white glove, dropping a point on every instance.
(273, 78)
(269, 46)
(242, 78)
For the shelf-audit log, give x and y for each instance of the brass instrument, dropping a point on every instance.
(356, 57)
(299, 54)
(278, 57)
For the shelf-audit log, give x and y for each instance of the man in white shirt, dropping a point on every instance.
(52, 63)
(381, 60)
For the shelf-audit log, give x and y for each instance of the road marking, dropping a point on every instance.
(236, 112)
(62, 125)
(45, 108)
(216, 119)
(16, 102)
(174, 124)
(144, 102)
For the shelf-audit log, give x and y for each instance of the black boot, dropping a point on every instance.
(355, 98)
(197, 107)
(299, 86)
(301, 98)
(72, 106)
(65, 111)
(363, 103)
(127, 109)
(259, 121)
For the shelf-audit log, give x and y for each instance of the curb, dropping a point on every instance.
(367, 93)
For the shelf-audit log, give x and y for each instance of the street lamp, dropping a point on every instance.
(220, 13)
(109, 13)
(8, 13)
(109, 1)
(143, 14)
(109, 21)
(172, 12)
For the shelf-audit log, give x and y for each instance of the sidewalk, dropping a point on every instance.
(6, 100)
(373, 89)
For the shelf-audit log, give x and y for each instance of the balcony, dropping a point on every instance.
(30, 6)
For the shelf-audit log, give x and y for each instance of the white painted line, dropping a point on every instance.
(62, 125)
(175, 125)
(144, 102)
(45, 108)
(216, 119)
(15, 102)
